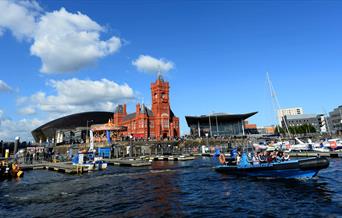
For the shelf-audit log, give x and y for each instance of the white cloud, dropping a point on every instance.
(146, 63)
(4, 87)
(68, 42)
(27, 110)
(9, 129)
(19, 17)
(64, 41)
(75, 95)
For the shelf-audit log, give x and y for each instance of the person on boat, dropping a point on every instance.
(279, 156)
(321, 145)
(286, 156)
(233, 153)
(268, 157)
(275, 154)
(255, 159)
(238, 157)
(262, 157)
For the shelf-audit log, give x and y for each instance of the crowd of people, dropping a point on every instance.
(37, 156)
(260, 157)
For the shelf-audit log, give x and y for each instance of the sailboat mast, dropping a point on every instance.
(273, 105)
(275, 102)
(326, 118)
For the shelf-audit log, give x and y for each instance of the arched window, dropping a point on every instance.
(165, 120)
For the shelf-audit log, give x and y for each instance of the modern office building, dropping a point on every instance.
(287, 112)
(335, 120)
(317, 121)
(218, 124)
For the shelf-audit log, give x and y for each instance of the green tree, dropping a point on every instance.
(311, 128)
(279, 130)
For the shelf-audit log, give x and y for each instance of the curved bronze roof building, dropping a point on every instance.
(48, 130)
(218, 124)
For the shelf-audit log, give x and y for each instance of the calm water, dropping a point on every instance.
(179, 189)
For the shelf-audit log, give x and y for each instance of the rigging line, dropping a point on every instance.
(276, 103)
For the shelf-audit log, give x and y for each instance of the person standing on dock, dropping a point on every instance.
(31, 158)
(27, 157)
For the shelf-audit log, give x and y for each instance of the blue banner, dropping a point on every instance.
(108, 136)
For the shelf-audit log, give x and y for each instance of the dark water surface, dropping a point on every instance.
(170, 189)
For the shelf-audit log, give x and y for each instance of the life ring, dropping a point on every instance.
(222, 159)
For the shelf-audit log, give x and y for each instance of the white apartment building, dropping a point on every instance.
(289, 111)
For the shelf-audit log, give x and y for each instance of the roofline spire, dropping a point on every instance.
(159, 74)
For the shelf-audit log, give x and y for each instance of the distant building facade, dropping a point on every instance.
(335, 118)
(287, 112)
(250, 128)
(71, 136)
(156, 123)
(266, 130)
(317, 121)
(219, 124)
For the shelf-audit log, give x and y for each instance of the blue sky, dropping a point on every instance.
(220, 52)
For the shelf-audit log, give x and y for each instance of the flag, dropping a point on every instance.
(108, 136)
(91, 134)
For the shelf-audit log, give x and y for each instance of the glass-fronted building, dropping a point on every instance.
(219, 124)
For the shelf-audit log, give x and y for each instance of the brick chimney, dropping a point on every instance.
(124, 109)
(137, 109)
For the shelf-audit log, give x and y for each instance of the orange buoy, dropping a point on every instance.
(222, 159)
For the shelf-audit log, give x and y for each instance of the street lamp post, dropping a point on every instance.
(130, 146)
(211, 134)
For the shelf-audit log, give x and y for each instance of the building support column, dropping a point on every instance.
(211, 133)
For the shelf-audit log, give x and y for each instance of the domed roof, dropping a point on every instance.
(69, 122)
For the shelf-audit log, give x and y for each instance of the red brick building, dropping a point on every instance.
(158, 123)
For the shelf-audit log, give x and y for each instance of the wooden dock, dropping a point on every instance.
(169, 158)
(63, 167)
(127, 162)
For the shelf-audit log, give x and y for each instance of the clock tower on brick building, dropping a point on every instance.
(157, 123)
(161, 107)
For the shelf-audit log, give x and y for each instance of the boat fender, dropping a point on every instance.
(222, 159)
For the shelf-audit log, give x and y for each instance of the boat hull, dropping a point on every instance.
(296, 169)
